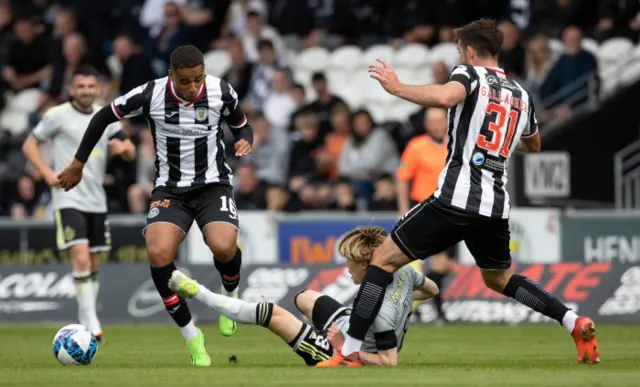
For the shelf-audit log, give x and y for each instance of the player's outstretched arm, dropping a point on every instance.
(447, 95)
(426, 291)
(383, 357)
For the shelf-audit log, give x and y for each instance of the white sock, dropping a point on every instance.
(96, 284)
(351, 345)
(235, 309)
(569, 321)
(85, 295)
(189, 331)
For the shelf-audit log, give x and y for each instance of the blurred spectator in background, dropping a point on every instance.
(441, 76)
(512, 53)
(139, 194)
(618, 18)
(206, 18)
(422, 161)
(367, 152)
(26, 203)
(28, 59)
(255, 31)
(344, 196)
(250, 193)
(333, 23)
(325, 101)
(335, 140)
(280, 199)
(5, 28)
(302, 159)
(280, 105)
(539, 60)
(241, 72)
(567, 84)
(261, 77)
(239, 11)
(153, 15)
(293, 19)
(270, 151)
(173, 33)
(384, 194)
(136, 69)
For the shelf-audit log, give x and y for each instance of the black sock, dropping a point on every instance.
(528, 292)
(437, 300)
(176, 305)
(230, 271)
(368, 301)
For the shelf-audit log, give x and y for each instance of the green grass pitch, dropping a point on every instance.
(456, 355)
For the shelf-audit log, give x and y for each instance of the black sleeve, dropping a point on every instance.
(386, 340)
(119, 135)
(233, 114)
(465, 75)
(98, 124)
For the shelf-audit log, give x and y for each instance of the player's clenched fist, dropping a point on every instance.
(243, 148)
(336, 338)
(71, 175)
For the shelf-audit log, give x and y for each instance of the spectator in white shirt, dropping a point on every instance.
(280, 104)
(255, 31)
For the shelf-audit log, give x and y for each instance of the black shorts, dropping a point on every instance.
(208, 204)
(74, 227)
(312, 343)
(451, 251)
(432, 227)
(326, 310)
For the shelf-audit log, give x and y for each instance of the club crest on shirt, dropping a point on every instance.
(202, 114)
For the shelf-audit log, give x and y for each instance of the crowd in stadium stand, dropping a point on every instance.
(312, 150)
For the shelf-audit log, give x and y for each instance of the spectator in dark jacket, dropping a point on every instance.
(567, 84)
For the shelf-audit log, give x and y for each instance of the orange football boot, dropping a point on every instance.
(338, 360)
(584, 334)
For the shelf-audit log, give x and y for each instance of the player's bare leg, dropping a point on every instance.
(531, 294)
(386, 259)
(290, 329)
(96, 259)
(162, 241)
(221, 238)
(305, 300)
(85, 294)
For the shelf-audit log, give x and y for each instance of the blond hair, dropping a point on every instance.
(358, 244)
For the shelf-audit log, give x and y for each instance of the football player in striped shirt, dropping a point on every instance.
(490, 117)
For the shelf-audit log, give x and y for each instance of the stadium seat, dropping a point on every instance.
(377, 94)
(447, 52)
(379, 111)
(615, 49)
(14, 121)
(556, 46)
(590, 45)
(312, 59)
(302, 77)
(351, 95)
(412, 56)
(346, 58)
(380, 51)
(217, 62)
(630, 73)
(337, 78)
(423, 76)
(401, 110)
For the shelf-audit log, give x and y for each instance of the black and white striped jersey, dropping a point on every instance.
(484, 131)
(190, 151)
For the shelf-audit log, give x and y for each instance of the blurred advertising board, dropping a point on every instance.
(612, 237)
(607, 292)
(315, 241)
(257, 238)
(34, 243)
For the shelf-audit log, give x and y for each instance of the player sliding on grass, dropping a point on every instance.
(330, 318)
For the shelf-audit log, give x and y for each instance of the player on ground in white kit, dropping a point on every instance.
(80, 215)
(330, 318)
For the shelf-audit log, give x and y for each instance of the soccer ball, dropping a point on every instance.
(75, 345)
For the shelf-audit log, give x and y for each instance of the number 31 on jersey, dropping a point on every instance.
(500, 128)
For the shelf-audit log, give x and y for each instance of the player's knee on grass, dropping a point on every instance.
(305, 300)
(496, 280)
(221, 239)
(81, 258)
